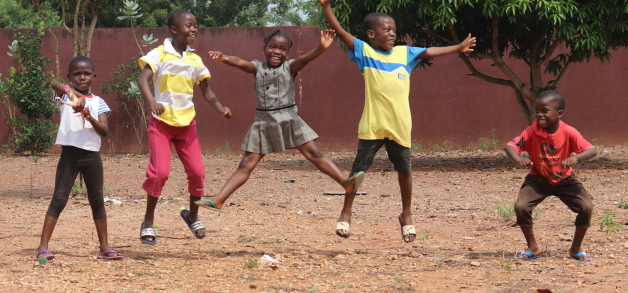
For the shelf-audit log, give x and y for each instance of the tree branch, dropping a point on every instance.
(434, 35)
(82, 34)
(63, 18)
(560, 76)
(95, 13)
(550, 51)
(523, 105)
(56, 49)
(481, 55)
(495, 47)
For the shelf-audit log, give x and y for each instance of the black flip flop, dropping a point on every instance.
(198, 225)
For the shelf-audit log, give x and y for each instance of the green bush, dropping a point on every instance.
(28, 90)
(124, 88)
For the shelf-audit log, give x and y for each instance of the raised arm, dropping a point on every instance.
(464, 46)
(327, 37)
(61, 89)
(343, 35)
(234, 61)
(210, 97)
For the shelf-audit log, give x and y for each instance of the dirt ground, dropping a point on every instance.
(464, 243)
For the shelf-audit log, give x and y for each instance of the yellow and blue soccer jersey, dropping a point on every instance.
(173, 79)
(387, 85)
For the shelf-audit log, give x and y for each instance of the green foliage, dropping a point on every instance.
(622, 204)
(399, 279)
(20, 14)
(78, 191)
(506, 211)
(28, 90)
(124, 87)
(537, 213)
(291, 12)
(607, 221)
(250, 263)
(416, 147)
(527, 30)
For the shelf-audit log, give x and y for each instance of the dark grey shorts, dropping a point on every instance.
(399, 155)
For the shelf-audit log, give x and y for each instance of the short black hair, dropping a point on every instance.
(555, 96)
(370, 21)
(172, 17)
(278, 32)
(79, 59)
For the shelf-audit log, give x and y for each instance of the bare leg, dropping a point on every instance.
(577, 242)
(149, 216)
(46, 233)
(239, 177)
(101, 230)
(405, 184)
(345, 214)
(533, 248)
(193, 214)
(324, 164)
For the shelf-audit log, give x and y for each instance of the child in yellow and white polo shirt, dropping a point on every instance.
(174, 69)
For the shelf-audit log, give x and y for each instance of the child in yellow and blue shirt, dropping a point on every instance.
(386, 119)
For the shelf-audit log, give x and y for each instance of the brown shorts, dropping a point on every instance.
(570, 191)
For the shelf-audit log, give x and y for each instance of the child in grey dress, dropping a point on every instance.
(277, 126)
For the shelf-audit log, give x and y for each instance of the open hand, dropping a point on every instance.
(327, 37)
(467, 44)
(226, 112)
(86, 114)
(568, 162)
(218, 55)
(157, 109)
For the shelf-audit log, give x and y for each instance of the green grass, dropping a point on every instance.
(250, 264)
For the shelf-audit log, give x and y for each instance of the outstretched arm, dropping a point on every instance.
(212, 100)
(464, 46)
(62, 89)
(343, 35)
(327, 37)
(234, 61)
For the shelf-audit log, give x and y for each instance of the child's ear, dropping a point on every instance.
(173, 30)
(370, 34)
(560, 113)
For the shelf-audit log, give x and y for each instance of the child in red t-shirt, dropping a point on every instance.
(553, 147)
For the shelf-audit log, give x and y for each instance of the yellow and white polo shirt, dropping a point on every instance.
(173, 79)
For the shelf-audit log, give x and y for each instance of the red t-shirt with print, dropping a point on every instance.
(547, 151)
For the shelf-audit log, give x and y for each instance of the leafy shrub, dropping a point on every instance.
(28, 90)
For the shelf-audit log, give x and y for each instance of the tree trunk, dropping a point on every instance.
(92, 26)
(75, 33)
(524, 106)
(82, 34)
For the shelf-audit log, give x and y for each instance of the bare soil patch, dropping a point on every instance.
(464, 243)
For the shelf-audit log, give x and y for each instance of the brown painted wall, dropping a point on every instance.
(446, 103)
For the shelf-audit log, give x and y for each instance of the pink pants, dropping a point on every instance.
(185, 141)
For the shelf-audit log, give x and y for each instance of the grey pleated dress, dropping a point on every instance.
(277, 126)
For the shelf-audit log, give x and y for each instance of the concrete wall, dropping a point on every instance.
(446, 103)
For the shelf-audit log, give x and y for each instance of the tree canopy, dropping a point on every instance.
(18, 15)
(548, 35)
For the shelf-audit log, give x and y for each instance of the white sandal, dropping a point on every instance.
(407, 230)
(344, 226)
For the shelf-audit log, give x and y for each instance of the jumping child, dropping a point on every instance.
(79, 138)
(386, 119)
(174, 70)
(553, 147)
(277, 126)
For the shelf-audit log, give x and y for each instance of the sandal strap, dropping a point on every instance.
(198, 225)
(343, 226)
(409, 230)
(147, 232)
(110, 251)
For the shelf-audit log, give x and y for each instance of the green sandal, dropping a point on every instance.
(211, 208)
(359, 177)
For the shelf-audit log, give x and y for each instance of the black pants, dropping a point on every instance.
(72, 161)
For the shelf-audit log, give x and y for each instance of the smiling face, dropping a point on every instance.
(184, 29)
(547, 114)
(82, 75)
(276, 50)
(383, 36)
